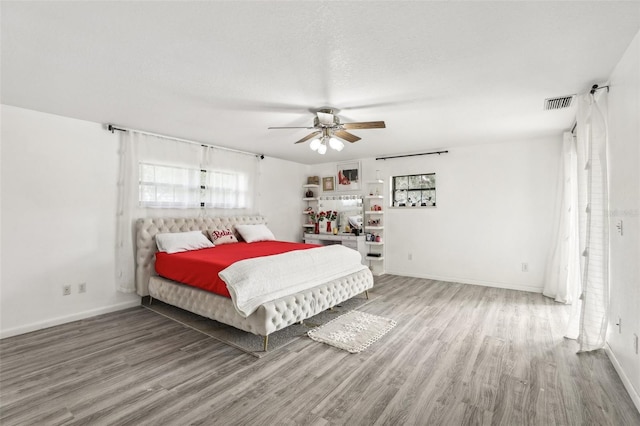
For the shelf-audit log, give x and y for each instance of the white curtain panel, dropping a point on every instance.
(127, 194)
(591, 313)
(137, 148)
(231, 182)
(562, 276)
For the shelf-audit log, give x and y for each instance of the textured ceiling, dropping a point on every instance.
(440, 74)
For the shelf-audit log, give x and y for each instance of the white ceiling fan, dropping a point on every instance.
(328, 130)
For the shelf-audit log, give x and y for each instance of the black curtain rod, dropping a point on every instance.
(595, 88)
(112, 128)
(412, 155)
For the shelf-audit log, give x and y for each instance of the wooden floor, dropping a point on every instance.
(460, 354)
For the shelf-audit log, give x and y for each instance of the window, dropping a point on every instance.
(413, 190)
(225, 190)
(163, 186)
(168, 186)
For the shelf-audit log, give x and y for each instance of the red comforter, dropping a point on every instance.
(200, 268)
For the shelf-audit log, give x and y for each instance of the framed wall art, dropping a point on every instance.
(328, 184)
(348, 176)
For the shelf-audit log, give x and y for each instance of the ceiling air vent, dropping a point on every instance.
(558, 103)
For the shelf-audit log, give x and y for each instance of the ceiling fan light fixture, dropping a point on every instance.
(322, 149)
(330, 132)
(336, 144)
(315, 144)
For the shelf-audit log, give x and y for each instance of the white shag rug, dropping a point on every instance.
(354, 331)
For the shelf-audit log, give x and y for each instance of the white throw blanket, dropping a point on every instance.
(252, 282)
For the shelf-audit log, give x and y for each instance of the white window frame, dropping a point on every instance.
(230, 192)
(427, 192)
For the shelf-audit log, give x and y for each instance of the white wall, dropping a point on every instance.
(58, 222)
(58, 218)
(280, 196)
(494, 212)
(624, 162)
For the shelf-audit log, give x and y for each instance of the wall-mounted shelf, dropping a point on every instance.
(374, 215)
(311, 205)
(374, 258)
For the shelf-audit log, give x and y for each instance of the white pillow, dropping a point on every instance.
(253, 233)
(175, 242)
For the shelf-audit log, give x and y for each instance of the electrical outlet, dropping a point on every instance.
(410, 257)
(619, 324)
(635, 342)
(525, 267)
(82, 288)
(619, 227)
(66, 290)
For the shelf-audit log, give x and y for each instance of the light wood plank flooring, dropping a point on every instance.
(460, 354)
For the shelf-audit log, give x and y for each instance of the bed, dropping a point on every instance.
(269, 316)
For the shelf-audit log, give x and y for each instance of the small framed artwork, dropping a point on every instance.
(328, 184)
(349, 176)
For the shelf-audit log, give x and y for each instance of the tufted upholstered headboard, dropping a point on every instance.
(146, 230)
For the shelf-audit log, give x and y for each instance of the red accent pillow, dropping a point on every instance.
(222, 236)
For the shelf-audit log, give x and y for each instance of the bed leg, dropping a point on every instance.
(266, 343)
(366, 294)
(150, 300)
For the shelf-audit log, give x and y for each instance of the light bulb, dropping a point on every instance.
(322, 149)
(315, 144)
(336, 144)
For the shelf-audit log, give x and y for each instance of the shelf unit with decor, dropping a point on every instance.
(374, 225)
(311, 204)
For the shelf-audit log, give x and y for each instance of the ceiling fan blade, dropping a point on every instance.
(325, 118)
(346, 136)
(365, 125)
(309, 136)
(268, 128)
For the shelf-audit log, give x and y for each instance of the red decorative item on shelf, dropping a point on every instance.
(330, 216)
(314, 218)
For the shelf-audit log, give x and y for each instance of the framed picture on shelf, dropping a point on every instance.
(349, 176)
(328, 184)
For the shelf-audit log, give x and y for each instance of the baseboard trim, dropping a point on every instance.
(69, 318)
(625, 380)
(508, 286)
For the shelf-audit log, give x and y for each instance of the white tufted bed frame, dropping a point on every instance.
(269, 317)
